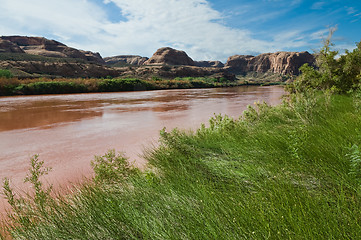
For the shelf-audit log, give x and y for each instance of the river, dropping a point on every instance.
(68, 130)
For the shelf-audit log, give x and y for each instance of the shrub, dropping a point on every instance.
(5, 73)
(115, 85)
(339, 75)
(111, 167)
(51, 88)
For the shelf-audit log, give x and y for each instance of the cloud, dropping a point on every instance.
(285, 2)
(65, 17)
(191, 25)
(318, 35)
(351, 10)
(354, 13)
(318, 5)
(142, 27)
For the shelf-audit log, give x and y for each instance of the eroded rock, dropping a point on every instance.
(216, 64)
(170, 56)
(51, 48)
(279, 62)
(62, 69)
(7, 46)
(126, 60)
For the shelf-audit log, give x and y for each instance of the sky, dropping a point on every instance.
(205, 29)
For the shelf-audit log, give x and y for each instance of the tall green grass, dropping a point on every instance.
(286, 172)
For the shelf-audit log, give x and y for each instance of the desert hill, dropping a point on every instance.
(38, 56)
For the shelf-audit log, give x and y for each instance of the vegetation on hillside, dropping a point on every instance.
(5, 73)
(287, 172)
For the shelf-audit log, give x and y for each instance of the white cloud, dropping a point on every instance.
(66, 17)
(351, 10)
(287, 2)
(321, 34)
(318, 5)
(189, 25)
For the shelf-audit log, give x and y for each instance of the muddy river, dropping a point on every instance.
(68, 130)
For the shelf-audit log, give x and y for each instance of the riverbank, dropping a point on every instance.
(290, 171)
(36, 86)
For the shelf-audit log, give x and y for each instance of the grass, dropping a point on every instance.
(285, 172)
(14, 86)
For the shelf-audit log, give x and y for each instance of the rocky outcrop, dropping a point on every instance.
(279, 62)
(171, 72)
(93, 57)
(216, 64)
(61, 69)
(170, 56)
(285, 63)
(165, 62)
(7, 46)
(51, 48)
(125, 60)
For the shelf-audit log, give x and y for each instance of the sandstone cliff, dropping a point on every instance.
(7, 46)
(50, 48)
(216, 64)
(279, 62)
(166, 62)
(171, 72)
(59, 69)
(126, 59)
(170, 56)
(93, 57)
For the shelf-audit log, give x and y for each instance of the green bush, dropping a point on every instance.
(5, 73)
(50, 88)
(336, 74)
(116, 85)
(111, 167)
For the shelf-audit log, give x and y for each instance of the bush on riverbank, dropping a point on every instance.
(331, 74)
(14, 86)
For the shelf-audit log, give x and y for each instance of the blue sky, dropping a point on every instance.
(205, 29)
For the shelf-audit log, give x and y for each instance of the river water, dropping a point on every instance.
(68, 130)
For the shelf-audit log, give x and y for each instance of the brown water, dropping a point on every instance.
(68, 130)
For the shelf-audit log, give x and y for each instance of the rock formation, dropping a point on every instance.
(7, 46)
(170, 56)
(171, 72)
(60, 69)
(125, 59)
(165, 62)
(93, 57)
(50, 48)
(216, 64)
(279, 62)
